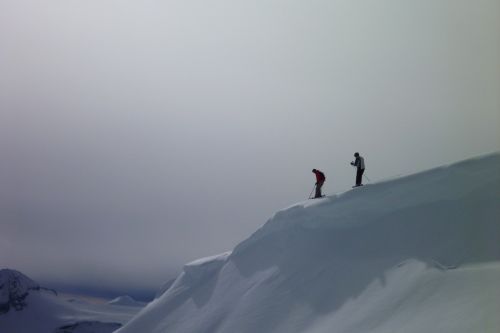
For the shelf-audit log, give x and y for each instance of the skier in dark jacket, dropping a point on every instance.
(359, 163)
(320, 179)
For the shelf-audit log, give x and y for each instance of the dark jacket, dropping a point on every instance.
(320, 176)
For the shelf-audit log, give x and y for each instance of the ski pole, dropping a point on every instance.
(312, 191)
(368, 179)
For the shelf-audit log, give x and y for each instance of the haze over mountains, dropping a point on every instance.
(27, 307)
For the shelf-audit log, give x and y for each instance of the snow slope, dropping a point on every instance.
(419, 253)
(25, 307)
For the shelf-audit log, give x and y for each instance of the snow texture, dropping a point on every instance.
(419, 253)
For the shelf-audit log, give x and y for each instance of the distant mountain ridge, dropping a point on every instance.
(26, 307)
(126, 300)
(15, 287)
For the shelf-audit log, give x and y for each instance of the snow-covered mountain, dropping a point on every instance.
(419, 253)
(126, 300)
(26, 307)
(15, 287)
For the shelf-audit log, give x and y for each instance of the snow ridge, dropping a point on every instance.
(400, 251)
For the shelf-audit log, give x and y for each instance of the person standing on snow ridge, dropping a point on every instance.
(320, 179)
(359, 163)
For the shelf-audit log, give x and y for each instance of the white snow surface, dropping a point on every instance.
(419, 253)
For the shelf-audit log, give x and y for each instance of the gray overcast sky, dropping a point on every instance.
(138, 135)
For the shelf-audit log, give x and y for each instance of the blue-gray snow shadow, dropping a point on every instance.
(347, 259)
(198, 284)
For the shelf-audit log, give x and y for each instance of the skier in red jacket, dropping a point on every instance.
(320, 179)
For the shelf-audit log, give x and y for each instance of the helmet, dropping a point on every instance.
(356, 154)
(314, 170)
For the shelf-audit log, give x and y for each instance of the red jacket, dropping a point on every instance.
(320, 176)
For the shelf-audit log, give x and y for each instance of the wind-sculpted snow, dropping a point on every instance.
(201, 268)
(393, 256)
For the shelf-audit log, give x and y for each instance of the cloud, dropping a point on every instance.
(137, 137)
